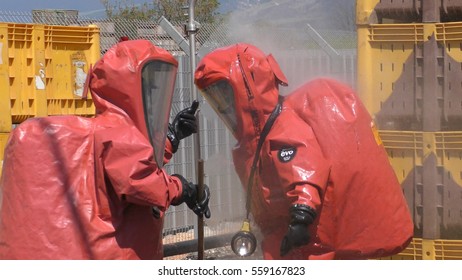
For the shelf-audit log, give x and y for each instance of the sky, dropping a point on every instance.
(83, 6)
(86, 8)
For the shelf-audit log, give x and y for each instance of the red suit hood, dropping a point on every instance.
(116, 76)
(255, 79)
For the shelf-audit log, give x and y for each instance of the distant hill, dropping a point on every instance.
(321, 14)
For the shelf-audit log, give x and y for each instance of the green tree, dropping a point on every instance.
(173, 10)
(123, 9)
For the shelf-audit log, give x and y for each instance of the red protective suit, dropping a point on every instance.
(321, 152)
(83, 188)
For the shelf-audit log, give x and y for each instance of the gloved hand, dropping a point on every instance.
(189, 196)
(184, 124)
(298, 235)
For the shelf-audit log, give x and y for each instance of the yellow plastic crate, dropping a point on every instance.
(43, 69)
(3, 139)
(443, 249)
(384, 50)
(408, 149)
(429, 167)
(426, 249)
(408, 11)
(410, 75)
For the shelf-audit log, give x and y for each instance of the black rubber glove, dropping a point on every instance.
(298, 235)
(184, 124)
(189, 196)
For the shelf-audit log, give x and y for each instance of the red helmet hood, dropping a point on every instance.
(254, 78)
(115, 81)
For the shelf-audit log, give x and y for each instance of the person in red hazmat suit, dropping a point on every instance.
(94, 188)
(323, 187)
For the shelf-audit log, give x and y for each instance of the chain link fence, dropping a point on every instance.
(302, 52)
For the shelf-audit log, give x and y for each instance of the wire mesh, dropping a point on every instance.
(299, 56)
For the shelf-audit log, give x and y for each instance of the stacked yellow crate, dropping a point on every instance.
(42, 72)
(410, 79)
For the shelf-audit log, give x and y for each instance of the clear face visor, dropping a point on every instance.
(220, 96)
(158, 82)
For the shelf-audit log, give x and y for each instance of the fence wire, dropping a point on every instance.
(300, 56)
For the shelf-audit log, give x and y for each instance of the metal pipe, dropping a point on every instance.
(200, 220)
(191, 29)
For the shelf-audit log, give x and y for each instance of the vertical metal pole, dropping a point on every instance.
(200, 221)
(191, 29)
